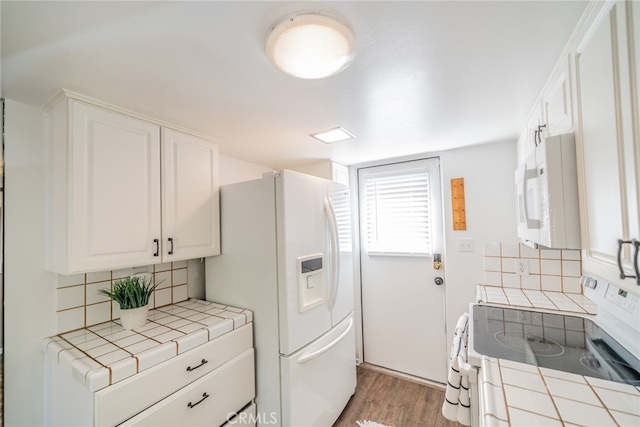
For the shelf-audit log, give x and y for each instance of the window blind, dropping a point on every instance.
(342, 208)
(398, 213)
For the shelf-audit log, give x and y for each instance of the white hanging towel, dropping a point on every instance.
(457, 406)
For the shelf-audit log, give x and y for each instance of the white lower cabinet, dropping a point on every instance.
(247, 417)
(207, 385)
(212, 400)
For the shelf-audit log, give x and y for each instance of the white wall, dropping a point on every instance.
(231, 170)
(234, 170)
(29, 289)
(488, 172)
(30, 303)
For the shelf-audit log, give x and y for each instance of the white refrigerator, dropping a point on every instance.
(287, 256)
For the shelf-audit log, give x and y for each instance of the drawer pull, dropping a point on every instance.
(193, 405)
(189, 368)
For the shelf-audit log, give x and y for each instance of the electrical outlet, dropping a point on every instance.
(522, 267)
(465, 245)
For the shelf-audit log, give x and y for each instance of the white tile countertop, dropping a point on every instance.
(529, 298)
(104, 354)
(518, 394)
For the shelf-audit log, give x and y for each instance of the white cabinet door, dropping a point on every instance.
(557, 103)
(114, 190)
(607, 149)
(120, 196)
(533, 130)
(190, 203)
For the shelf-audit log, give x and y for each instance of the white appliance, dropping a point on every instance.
(604, 346)
(287, 256)
(547, 195)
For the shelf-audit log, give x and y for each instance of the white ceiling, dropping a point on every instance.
(428, 75)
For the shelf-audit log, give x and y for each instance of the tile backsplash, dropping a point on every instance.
(548, 269)
(80, 305)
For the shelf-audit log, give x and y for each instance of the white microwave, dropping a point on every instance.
(547, 195)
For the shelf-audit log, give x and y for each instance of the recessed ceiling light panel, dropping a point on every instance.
(333, 135)
(311, 45)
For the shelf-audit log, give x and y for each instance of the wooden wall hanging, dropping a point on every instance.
(457, 204)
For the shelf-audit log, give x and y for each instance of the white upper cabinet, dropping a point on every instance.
(551, 115)
(190, 202)
(556, 102)
(594, 91)
(126, 192)
(533, 129)
(608, 136)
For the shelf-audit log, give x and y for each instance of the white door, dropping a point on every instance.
(400, 231)
(607, 150)
(115, 181)
(190, 223)
(303, 291)
(318, 380)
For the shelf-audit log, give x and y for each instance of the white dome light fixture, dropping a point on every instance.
(311, 45)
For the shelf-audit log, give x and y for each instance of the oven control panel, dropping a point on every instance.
(621, 298)
(618, 312)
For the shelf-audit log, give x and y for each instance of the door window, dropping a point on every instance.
(397, 212)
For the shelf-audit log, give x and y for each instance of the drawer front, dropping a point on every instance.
(122, 400)
(245, 418)
(210, 401)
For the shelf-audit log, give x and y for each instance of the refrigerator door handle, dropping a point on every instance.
(313, 355)
(335, 248)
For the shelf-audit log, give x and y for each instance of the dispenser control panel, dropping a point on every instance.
(311, 289)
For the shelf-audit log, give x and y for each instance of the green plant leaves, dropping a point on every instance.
(130, 292)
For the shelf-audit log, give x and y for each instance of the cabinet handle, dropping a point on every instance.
(622, 273)
(636, 243)
(193, 405)
(540, 127)
(171, 245)
(157, 242)
(535, 137)
(204, 361)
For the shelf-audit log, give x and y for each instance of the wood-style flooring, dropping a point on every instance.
(393, 401)
(1, 390)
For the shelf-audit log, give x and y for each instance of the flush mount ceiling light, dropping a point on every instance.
(333, 135)
(311, 45)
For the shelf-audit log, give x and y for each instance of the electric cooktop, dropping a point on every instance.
(555, 341)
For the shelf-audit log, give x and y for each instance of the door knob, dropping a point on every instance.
(438, 281)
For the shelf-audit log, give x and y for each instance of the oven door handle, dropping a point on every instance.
(466, 369)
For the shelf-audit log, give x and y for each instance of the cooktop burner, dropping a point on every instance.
(565, 343)
(529, 343)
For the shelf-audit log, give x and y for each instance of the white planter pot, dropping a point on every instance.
(134, 318)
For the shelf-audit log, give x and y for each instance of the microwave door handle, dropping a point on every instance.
(528, 174)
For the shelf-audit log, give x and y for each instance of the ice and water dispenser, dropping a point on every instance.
(311, 286)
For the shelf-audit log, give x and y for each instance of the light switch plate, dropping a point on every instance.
(465, 245)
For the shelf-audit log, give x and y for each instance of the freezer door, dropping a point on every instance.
(318, 380)
(301, 238)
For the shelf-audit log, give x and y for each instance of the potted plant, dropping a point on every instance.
(132, 293)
